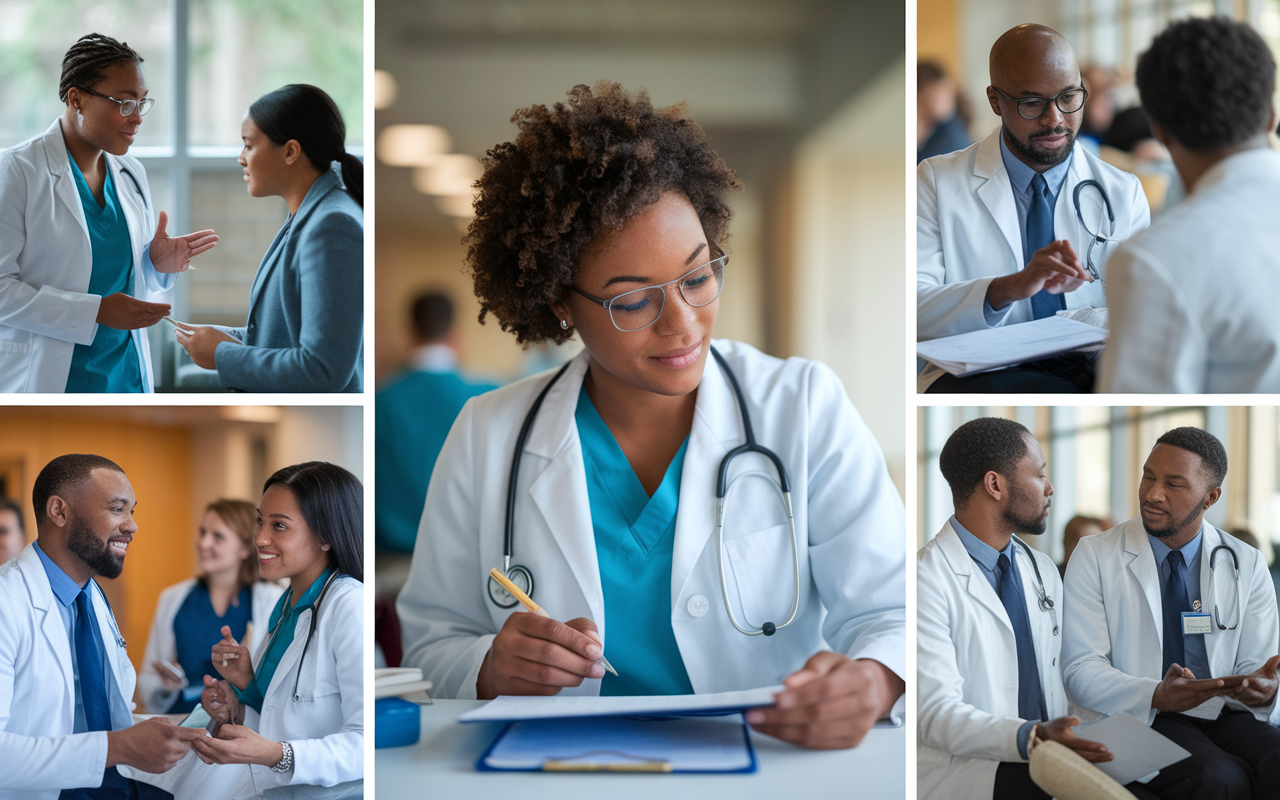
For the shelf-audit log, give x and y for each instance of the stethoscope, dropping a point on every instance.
(1042, 597)
(1095, 237)
(137, 187)
(315, 614)
(1235, 563)
(111, 616)
(521, 576)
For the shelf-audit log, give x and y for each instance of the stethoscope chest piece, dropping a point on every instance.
(521, 577)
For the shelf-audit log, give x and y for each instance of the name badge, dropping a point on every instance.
(1196, 623)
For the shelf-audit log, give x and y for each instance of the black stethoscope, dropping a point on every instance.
(111, 616)
(1042, 597)
(1235, 563)
(1095, 236)
(137, 187)
(522, 577)
(315, 614)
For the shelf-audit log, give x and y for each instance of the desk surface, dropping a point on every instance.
(442, 764)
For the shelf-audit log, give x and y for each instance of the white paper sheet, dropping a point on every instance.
(992, 348)
(1139, 751)
(506, 708)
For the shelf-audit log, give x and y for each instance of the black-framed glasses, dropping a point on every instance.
(127, 107)
(640, 308)
(1068, 102)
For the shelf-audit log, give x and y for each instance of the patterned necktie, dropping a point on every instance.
(1040, 235)
(1030, 695)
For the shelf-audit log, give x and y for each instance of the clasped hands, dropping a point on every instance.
(231, 742)
(829, 703)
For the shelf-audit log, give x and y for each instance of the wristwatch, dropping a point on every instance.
(286, 760)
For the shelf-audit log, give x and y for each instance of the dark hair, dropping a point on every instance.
(332, 502)
(308, 115)
(242, 518)
(986, 444)
(88, 57)
(929, 73)
(577, 170)
(9, 504)
(1208, 82)
(1213, 456)
(63, 473)
(432, 316)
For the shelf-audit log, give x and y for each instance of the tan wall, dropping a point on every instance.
(937, 34)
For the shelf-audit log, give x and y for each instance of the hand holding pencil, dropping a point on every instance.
(534, 654)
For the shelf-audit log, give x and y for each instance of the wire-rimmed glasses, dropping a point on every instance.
(1068, 102)
(127, 107)
(640, 308)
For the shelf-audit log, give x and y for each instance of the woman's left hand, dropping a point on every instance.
(175, 254)
(236, 744)
(201, 342)
(830, 703)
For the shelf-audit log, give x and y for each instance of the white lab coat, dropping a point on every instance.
(41, 755)
(1193, 299)
(848, 518)
(324, 722)
(967, 235)
(162, 644)
(967, 668)
(46, 260)
(1113, 629)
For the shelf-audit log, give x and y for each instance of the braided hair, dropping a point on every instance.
(84, 62)
(308, 115)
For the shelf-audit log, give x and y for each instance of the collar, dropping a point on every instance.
(327, 181)
(1020, 175)
(63, 587)
(1240, 166)
(986, 555)
(435, 358)
(1190, 550)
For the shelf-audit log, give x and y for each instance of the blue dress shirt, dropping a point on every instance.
(1197, 655)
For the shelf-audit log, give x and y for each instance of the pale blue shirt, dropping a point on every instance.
(1193, 646)
(65, 591)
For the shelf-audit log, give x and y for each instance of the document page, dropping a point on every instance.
(506, 708)
(1139, 751)
(979, 351)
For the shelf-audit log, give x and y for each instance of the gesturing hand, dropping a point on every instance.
(220, 702)
(1055, 268)
(236, 744)
(175, 254)
(125, 312)
(1258, 688)
(1059, 730)
(1180, 690)
(201, 342)
(153, 745)
(231, 660)
(536, 655)
(830, 703)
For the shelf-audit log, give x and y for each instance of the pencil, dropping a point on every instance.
(528, 603)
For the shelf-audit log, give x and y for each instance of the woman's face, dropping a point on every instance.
(219, 548)
(287, 548)
(263, 161)
(661, 244)
(97, 119)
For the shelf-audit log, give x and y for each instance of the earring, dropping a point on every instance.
(564, 323)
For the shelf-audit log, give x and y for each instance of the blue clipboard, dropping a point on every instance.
(696, 744)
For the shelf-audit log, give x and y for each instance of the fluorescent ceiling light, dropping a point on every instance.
(449, 175)
(384, 89)
(412, 145)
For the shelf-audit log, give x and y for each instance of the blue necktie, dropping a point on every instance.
(1040, 235)
(1030, 696)
(93, 689)
(1175, 601)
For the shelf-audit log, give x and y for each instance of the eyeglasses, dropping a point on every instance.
(640, 308)
(1068, 102)
(127, 107)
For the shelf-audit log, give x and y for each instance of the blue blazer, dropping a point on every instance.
(305, 331)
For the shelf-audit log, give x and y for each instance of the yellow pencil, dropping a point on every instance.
(528, 603)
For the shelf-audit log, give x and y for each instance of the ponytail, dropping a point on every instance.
(353, 177)
(309, 116)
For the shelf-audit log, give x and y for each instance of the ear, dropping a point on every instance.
(1162, 136)
(994, 99)
(58, 511)
(325, 547)
(1212, 497)
(561, 310)
(993, 485)
(1271, 121)
(292, 152)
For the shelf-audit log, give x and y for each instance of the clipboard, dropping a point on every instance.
(626, 745)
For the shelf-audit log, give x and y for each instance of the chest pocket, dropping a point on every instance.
(317, 709)
(758, 570)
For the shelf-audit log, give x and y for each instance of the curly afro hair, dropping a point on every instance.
(982, 445)
(1213, 456)
(576, 171)
(1208, 82)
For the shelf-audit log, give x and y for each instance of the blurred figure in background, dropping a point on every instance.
(13, 535)
(1078, 528)
(1246, 536)
(190, 615)
(413, 416)
(941, 116)
(1099, 107)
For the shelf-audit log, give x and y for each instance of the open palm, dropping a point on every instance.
(174, 254)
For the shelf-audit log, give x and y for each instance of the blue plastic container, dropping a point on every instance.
(396, 722)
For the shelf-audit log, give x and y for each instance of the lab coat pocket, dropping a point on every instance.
(317, 709)
(15, 360)
(759, 564)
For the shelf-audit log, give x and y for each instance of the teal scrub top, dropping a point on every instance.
(635, 536)
(110, 364)
(256, 691)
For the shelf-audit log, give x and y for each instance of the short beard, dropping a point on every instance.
(1165, 533)
(1030, 526)
(1040, 157)
(86, 546)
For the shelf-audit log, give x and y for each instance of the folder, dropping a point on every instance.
(993, 348)
(701, 744)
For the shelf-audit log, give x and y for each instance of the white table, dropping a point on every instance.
(442, 765)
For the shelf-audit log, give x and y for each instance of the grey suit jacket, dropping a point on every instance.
(305, 331)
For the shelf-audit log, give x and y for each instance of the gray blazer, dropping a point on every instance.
(305, 331)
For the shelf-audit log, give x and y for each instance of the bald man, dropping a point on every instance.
(997, 234)
(65, 678)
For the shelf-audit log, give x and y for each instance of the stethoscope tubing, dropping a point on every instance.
(311, 630)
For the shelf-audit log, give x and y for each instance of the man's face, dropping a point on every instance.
(1046, 141)
(100, 521)
(1174, 492)
(1027, 509)
(12, 537)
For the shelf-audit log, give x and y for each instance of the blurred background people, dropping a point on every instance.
(1099, 107)
(1077, 528)
(13, 532)
(190, 615)
(942, 117)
